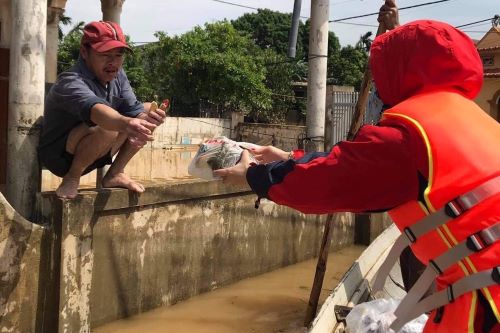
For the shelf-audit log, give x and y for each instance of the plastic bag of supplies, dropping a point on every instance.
(217, 153)
(376, 317)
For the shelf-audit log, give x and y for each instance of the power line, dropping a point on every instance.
(472, 23)
(337, 20)
(359, 24)
(243, 6)
(235, 4)
(400, 9)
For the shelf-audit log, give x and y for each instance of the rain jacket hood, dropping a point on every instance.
(424, 56)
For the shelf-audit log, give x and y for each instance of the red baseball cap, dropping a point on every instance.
(103, 36)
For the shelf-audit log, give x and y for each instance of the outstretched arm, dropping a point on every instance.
(376, 172)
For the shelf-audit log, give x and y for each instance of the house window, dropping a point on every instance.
(487, 61)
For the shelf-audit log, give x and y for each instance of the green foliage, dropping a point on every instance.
(69, 48)
(63, 20)
(136, 74)
(365, 41)
(347, 67)
(279, 78)
(214, 64)
(269, 30)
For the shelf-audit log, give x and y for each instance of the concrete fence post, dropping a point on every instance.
(237, 117)
(77, 260)
(111, 10)
(54, 10)
(26, 100)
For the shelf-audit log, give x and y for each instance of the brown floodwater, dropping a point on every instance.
(271, 302)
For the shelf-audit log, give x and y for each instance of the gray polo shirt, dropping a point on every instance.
(75, 92)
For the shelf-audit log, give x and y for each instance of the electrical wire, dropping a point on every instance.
(473, 23)
(243, 6)
(399, 9)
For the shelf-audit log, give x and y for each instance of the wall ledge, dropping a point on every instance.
(115, 198)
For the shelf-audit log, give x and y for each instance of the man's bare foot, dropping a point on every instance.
(68, 189)
(122, 180)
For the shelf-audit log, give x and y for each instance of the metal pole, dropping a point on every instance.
(26, 97)
(316, 86)
(294, 30)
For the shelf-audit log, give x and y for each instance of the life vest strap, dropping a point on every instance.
(470, 199)
(392, 257)
(484, 238)
(465, 285)
(451, 210)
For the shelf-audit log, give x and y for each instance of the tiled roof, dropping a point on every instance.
(489, 48)
(492, 75)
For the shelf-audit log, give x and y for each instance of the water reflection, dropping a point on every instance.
(149, 166)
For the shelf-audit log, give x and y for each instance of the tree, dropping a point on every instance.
(269, 30)
(141, 83)
(213, 64)
(348, 66)
(279, 77)
(365, 41)
(63, 20)
(69, 48)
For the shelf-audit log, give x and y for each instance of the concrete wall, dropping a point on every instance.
(286, 137)
(122, 254)
(183, 130)
(29, 274)
(110, 254)
(488, 97)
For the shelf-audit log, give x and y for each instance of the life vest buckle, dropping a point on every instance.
(410, 235)
(495, 274)
(449, 293)
(454, 208)
(483, 238)
(475, 242)
(435, 267)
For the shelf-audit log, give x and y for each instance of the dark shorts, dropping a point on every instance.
(58, 161)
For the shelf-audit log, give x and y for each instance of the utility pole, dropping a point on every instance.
(26, 97)
(316, 82)
(316, 103)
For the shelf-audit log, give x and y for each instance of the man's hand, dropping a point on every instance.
(139, 131)
(236, 175)
(388, 15)
(154, 115)
(267, 154)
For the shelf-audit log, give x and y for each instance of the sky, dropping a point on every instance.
(140, 19)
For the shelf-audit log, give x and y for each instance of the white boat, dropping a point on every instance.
(355, 286)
